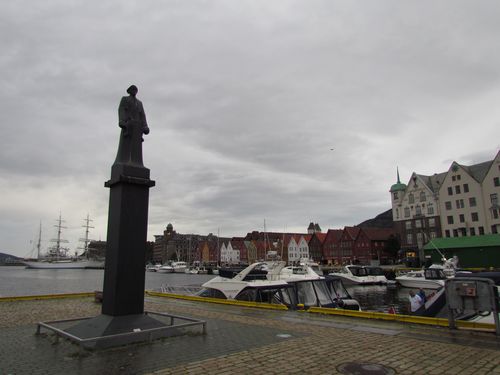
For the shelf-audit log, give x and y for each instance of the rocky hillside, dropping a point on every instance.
(384, 220)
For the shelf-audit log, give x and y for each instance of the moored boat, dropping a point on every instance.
(361, 275)
(272, 282)
(429, 278)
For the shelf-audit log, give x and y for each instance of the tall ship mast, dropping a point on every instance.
(86, 240)
(57, 251)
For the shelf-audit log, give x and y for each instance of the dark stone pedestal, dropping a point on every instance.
(124, 277)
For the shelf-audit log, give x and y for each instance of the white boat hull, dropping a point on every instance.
(414, 283)
(354, 280)
(79, 264)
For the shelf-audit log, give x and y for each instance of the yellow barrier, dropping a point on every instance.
(47, 296)
(400, 318)
(218, 300)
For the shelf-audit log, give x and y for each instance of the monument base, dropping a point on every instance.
(106, 331)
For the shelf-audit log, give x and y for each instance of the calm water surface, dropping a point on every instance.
(19, 281)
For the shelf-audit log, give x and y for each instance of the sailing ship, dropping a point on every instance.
(57, 256)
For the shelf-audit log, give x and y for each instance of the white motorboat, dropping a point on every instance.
(361, 275)
(165, 268)
(272, 282)
(179, 267)
(430, 278)
(153, 267)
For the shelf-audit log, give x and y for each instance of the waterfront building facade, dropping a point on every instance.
(331, 246)
(460, 202)
(316, 247)
(372, 246)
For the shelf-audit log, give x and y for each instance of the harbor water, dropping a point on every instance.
(19, 281)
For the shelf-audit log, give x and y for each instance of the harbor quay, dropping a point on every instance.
(242, 340)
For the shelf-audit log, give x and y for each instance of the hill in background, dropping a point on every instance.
(384, 220)
(4, 257)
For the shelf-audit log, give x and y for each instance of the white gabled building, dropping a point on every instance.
(460, 202)
(228, 254)
(298, 248)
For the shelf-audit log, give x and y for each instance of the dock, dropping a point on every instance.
(243, 340)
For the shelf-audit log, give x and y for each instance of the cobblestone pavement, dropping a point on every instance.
(243, 341)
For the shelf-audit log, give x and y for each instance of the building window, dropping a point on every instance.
(447, 233)
(494, 199)
(461, 217)
(432, 222)
(418, 224)
(496, 181)
(494, 229)
(397, 213)
(481, 231)
(457, 189)
(472, 202)
(450, 190)
(433, 234)
(408, 225)
(447, 205)
(466, 188)
(463, 232)
(495, 213)
(407, 212)
(474, 216)
(430, 209)
(453, 178)
(450, 219)
(472, 231)
(411, 198)
(423, 197)
(409, 238)
(395, 195)
(455, 233)
(418, 210)
(458, 177)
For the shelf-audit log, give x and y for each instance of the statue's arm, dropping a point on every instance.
(122, 114)
(145, 128)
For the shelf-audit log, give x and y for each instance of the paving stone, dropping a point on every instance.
(241, 340)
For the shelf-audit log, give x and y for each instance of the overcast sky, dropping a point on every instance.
(245, 100)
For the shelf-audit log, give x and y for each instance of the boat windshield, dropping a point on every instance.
(274, 295)
(305, 293)
(337, 289)
(323, 293)
(358, 271)
(211, 293)
(434, 274)
(374, 271)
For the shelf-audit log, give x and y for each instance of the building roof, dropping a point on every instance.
(398, 185)
(333, 235)
(478, 171)
(487, 240)
(378, 234)
(320, 236)
(352, 231)
(433, 182)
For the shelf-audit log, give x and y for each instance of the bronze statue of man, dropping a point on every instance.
(132, 121)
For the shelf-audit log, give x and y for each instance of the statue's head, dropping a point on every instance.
(132, 90)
